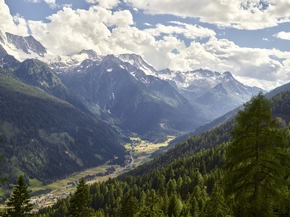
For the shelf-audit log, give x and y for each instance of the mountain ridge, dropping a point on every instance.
(20, 47)
(130, 96)
(58, 137)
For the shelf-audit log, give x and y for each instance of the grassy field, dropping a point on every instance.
(60, 184)
(141, 150)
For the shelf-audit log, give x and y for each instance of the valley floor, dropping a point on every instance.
(139, 151)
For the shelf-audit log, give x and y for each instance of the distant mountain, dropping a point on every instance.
(201, 95)
(279, 90)
(274, 94)
(21, 47)
(215, 93)
(48, 138)
(139, 103)
(61, 64)
(9, 62)
(138, 62)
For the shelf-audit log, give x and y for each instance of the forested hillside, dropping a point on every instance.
(189, 180)
(45, 137)
(181, 187)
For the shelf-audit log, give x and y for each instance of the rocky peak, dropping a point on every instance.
(26, 44)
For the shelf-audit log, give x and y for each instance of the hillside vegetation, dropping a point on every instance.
(45, 137)
(188, 180)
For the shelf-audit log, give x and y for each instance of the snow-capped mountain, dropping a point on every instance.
(21, 47)
(215, 93)
(198, 82)
(67, 63)
(138, 103)
(138, 62)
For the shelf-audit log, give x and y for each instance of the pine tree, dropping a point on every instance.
(216, 206)
(19, 204)
(128, 205)
(62, 209)
(80, 201)
(152, 206)
(254, 171)
(175, 206)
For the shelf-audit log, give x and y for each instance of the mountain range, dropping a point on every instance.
(94, 102)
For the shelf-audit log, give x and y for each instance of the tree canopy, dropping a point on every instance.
(19, 203)
(257, 160)
(80, 201)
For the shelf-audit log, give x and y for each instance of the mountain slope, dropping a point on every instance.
(46, 137)
(217, 135)
(215, 93)
(222, 119)
(38, 74)
(139, 103)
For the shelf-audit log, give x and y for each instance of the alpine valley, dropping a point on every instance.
(62, 114)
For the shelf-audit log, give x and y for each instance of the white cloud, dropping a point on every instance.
(16, 24)
(189, 31)
(241, 14)
(71, 30)
(33, 1)
(248, 63)
(109, 4)
(265, 39)
(148, 24)
(283, 35)
(51, 3)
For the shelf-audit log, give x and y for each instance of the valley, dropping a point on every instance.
(138, 152)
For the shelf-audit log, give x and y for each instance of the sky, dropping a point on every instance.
(249, 38)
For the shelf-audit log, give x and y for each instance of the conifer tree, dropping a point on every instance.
(62, 209)
(19, 203)
(128, 205)
(216, 206)
(254, 171)
(80, 201)
(175, 206)
(152, 206)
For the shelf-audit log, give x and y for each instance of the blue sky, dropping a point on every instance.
(250, 38)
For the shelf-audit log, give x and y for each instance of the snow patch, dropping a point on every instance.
(109, 70)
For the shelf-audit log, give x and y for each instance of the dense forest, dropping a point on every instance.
(240, 168)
